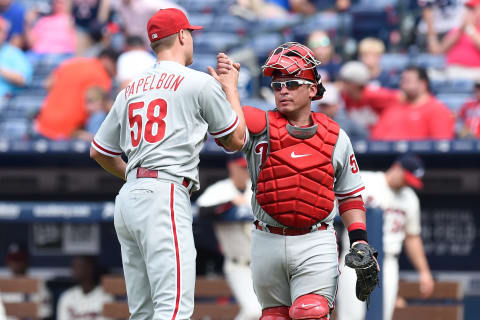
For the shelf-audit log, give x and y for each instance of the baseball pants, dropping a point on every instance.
(287, 267)
(153, 222)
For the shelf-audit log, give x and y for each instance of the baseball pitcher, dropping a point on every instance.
(160, 121)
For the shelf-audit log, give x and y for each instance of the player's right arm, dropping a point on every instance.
(227, 75)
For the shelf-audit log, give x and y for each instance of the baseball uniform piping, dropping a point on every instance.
(177, 253)
(226, 131)
(104, 151)
(350, 193)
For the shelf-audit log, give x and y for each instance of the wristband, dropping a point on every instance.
(356, 204)
(357, 231)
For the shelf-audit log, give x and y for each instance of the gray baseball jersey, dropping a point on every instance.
(348, 182)
(160, 121)
(161, 118)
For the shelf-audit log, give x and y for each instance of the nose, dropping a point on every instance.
(283, 89)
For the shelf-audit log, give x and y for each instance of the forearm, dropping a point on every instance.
(235, 140)
(474, 35)
(352, 213)
(416, 253)
(103, 11)
(113, 165)
(12, 77)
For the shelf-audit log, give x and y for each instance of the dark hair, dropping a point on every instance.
(421, 73)
(134, 41)
(109, 53)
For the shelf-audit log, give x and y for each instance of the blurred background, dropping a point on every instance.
(62, 62)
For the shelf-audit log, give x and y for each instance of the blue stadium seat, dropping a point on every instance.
(202, 61)
(458, 86)
(263, 43)
(426, 60)
(454, 101)
(321, 21)
(394, 61)
(213, 42)
(14, 129)
(370, 23)
(207, 21)
(228, 23)
(257, 103)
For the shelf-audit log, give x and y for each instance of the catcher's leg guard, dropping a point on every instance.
(310, 306)
(275, 313)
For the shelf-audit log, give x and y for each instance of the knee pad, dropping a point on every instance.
(275, 313)
(310, 306)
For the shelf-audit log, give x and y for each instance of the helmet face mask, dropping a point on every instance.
(295, 60)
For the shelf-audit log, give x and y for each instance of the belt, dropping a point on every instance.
(147, 173)
(286, 231)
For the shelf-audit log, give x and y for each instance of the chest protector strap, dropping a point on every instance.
(295, 184)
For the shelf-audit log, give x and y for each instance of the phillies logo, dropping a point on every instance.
(261, 151)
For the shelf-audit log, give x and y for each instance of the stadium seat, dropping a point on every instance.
(445, 302)
(214, 42)
(14, 128)
(321, 21)
(370, 23)
(212, 299)
(263, 43)
(457, 86)
(202, 61)
(394, 61)
(454, 101)
(22, 285)
(426, 60)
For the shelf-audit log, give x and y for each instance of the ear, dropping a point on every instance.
(312, 91)
(181, 36)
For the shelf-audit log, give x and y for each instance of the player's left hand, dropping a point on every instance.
(427, 284)
(362, 258)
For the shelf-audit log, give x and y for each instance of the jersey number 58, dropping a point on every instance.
(152, 119)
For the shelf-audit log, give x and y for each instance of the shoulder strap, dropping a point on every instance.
(255, 119)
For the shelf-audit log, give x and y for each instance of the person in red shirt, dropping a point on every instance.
(416, 116)
(470, 115)
(64, 110)
(364, 102)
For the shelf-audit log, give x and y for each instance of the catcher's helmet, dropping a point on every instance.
(297, 60)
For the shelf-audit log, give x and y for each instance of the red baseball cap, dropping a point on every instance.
(166, 22)
(413, 170)
(472, 3)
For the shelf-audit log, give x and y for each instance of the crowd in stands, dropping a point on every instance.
(394, 70)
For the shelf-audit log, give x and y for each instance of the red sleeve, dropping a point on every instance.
(379, 98)
(442, 123)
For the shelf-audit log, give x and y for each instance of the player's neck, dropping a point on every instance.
(300, 118)
(170, 55)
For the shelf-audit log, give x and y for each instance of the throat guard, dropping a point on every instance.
(295, 184)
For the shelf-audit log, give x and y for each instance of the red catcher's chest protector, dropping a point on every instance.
(295, 184)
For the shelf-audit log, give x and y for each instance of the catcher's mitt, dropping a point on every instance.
(362, 258)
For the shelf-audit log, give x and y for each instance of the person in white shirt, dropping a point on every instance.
(133, 61)
(85, 300)
(391, 192)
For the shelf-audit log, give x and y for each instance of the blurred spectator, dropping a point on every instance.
(17, 264)
(14, 13)
(15, 70)
(323, 48)
(134, 60)
(89, 15)
(418, 115)
(364, 103)
(370, 51)
(3, 316)
(227, 204)
(85, 300)
(54, 33)
(142, 10)
(461, 45)
(470, 115)
(98, 105)
(332, 105)
(446, 15)
(64, 110)
(343, 5)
